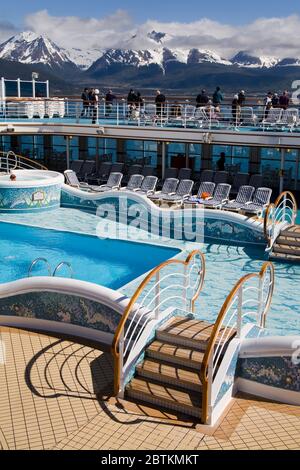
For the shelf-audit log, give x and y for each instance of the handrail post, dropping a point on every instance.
(157, 294)
(260, 302)
(210, 371)
(121, 366)
(284, 208)
(239, 312)
(188, 306)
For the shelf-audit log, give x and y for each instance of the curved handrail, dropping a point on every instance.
(133, 303)
(60, 265)
(278, 212)
(37, 260)
(21, 162)
(215, 349)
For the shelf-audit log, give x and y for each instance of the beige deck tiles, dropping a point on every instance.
(52, 396)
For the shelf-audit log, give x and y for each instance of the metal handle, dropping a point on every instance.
(37, 260)
(60, 265)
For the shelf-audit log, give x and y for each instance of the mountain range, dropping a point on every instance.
(145, 61)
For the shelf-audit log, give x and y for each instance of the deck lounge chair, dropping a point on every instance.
(256, 180)
(273, 118)
(169, 173)
(113, 182)
(244, 196)
(102, 174)
(221, 177)
(117, 167)
(169, 187)
(206, 187)
(184, 174)
(135, 169)
(240, 179)
(72, 180)
(86, 170)
(207, 175)
(148, 186)
(183, 191)
(134, 183)
(290, 118)
(220, 196)
(260, 201)
(76, 165)
(148, 171)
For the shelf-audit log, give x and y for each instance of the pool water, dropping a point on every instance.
(110, 263)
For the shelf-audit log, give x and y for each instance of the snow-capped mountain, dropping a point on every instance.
(30, 48)
(143, 49)
(246, 59)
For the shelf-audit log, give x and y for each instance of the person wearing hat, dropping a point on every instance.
(241, 98)
(275, 100)
(94, 104)
(202, 99)
(268, 104)
(235, 110)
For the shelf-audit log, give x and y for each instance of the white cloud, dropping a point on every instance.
(265, 36)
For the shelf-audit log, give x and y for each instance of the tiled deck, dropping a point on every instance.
(53, 396)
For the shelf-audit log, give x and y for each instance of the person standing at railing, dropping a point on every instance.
(109, 102)
(94, 105)
(140, 103)
(160, 100)
(268, 104)
(85, 102)
(202, 99)
(236, 110)
(217, 98)
(275, 100)
(242, 98)
(284, 100)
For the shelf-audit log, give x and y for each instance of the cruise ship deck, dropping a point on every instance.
(56, 394)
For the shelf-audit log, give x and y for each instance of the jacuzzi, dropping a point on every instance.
(31, 191)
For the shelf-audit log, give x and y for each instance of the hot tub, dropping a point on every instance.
(30, 191)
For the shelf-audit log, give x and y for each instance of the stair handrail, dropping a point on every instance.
(137, 316)
(60, 265)
(14, 161)
(230, 319)
(37, 260)
(282, 211)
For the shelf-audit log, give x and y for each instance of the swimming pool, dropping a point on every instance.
(110, 263)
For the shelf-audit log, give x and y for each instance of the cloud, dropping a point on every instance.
(7, 30)
(266, 36)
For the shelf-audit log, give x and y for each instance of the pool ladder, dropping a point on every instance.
(50, 273)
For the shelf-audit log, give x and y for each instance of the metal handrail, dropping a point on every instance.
(37, 260)
(133, 308)
(284, 209)
(234, 300)
(20, 162)
(60, 265)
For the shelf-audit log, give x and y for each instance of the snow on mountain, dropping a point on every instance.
(246, 59)
(84, 58)
(197, 56)
(30, 48)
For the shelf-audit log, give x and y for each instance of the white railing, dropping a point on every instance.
(173, 284)
(279, 215)
(248, 302)
(10, 161)
(169, 114)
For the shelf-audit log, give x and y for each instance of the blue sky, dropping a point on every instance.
(230, 11)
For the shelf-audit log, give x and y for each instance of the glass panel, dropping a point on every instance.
(11, 88)
(26, 89)
(40, 90)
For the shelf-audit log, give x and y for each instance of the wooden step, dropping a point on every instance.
(284, 257)
(293, 231)
(170, 374)
(186, 332)
(164, 396)
(286, 249)
(174, 354)
(293, 242)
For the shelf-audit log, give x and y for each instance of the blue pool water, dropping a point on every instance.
(111, 263)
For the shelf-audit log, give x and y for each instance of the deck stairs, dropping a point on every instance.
(169, 376)
(287, 245)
